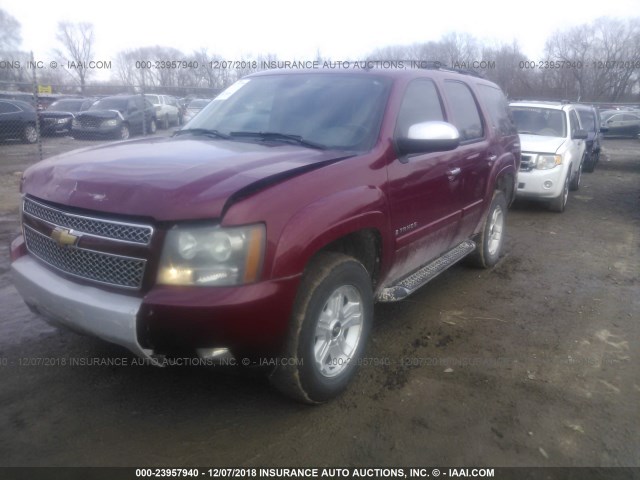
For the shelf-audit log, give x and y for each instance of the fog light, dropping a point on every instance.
(548, 184)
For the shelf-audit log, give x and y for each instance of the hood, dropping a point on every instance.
(541, 144)
(180, 178)
(55, 114)
(100, 114)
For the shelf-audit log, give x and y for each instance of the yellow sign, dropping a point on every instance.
(44, 89)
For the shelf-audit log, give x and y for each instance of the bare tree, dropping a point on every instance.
(10, 38)
(77, 44)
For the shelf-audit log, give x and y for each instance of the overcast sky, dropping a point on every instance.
(293, 29)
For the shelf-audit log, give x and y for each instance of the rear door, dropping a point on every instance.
(473, 163)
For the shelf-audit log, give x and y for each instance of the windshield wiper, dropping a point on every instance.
(280, 136)
(201, 131)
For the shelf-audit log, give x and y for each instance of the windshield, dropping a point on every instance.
(547, 122)
(110, 104)
(66, 105)
(335, 111)
(153, 99)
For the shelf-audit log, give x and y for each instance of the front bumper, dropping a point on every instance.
(110, 316)
(251, 321)
(532, 184)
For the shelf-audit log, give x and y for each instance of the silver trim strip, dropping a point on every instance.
(91, 219)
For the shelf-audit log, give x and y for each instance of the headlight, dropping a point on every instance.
(546, 162)
(63, 120)
(110, 123)
(212, 256)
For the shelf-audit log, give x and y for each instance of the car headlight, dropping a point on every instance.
(212, 256)
(546, 162)
(110, 123)
(62, 120)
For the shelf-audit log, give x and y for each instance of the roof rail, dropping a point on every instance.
(437, 65)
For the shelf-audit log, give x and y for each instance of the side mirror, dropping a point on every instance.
(428, 137)
(580, 134)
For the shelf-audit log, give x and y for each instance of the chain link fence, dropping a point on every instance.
(48, 119)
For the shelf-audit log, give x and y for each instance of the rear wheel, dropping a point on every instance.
(330, 324)
(577, 178)
(30, 134)
(490, 240)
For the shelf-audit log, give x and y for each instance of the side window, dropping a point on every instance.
(575, 125)
(587, 119)
(464, 111)
(498, 109)
(421, 103)
(6, 107)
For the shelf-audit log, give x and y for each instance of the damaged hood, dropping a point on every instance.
(168, 178)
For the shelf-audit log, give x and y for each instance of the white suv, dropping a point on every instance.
(167, 110)
(553, 150)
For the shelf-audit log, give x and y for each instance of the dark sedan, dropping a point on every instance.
(620, 123)
(58, 117)
(115, 117)
(18, 121)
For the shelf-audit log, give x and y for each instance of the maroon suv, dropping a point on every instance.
(265, 229)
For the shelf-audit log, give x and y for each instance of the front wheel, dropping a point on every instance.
(575, 182)
(559, 203)
(331, 320)
(490, 240)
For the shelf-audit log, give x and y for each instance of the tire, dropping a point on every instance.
(490, 240)
(335, 288)
(123, 132)
(590, 166)
(30, 134)
(559, 203)
(575, 181)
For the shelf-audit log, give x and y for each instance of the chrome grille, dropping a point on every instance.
(100, 267)
(140, 234)
(91, 122)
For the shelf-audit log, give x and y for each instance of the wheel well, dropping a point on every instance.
(364, 246)
(505, 184)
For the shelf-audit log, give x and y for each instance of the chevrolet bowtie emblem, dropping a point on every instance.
(64, 237)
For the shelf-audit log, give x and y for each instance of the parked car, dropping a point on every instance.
(194, 107)
(620, 123)
(116, 117)
(264, 233)
(167, 110)
(58, 117)
(553, 151)
(18, 121)
(590, 122)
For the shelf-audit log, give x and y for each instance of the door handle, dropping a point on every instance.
(452, 173)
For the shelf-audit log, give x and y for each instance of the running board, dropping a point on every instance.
(417, 279)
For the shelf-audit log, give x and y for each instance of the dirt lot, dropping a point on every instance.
(534, 363)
